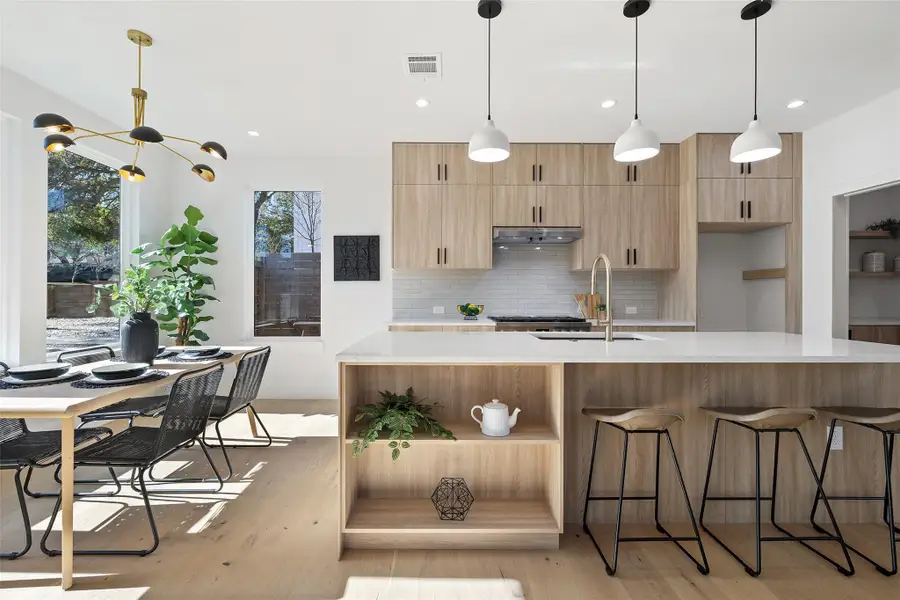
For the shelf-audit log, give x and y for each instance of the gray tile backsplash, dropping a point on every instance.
(523, 281)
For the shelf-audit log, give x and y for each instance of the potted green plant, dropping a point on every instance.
(399, 416)
(135, 297)
(890, 225)
(183, 290)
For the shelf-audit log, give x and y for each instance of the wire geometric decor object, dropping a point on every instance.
(452, 499)
(357, 258)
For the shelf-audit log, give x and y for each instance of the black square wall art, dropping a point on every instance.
(357, 258)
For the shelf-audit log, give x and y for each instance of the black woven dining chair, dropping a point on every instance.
(21, 448)
(140, 448)
(83, 356)
(244, 389)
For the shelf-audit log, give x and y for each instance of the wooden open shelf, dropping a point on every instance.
(871, 235)
(470, 433)
(418, 515)
(883, 275)
(779, 273)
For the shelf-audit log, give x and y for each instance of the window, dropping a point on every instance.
(287, 266)
(83, 235)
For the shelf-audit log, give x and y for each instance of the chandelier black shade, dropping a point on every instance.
(140, 134)
(53, 123)
(57, 142)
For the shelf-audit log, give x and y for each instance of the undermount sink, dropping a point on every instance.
(586, 337)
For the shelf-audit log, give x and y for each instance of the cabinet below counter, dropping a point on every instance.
(880, 331)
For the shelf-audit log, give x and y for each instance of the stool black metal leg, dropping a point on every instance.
(890, 466)
(889, 504)
(712, 454)
(610, 568)
(815, 506)
(587, 494)
(704, 566)
(25, 520)
(659, 527)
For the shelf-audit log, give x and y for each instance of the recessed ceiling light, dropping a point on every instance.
(253, 133)
(608, 103)
(422, 102)
(796, 103)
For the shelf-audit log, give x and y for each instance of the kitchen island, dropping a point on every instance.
(528, 485)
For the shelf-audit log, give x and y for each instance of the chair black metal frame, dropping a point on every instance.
(887, 441)
(703, 567)
(250, 371)
(35, 449)
(83, 356)
(758, 499)
(140, 448)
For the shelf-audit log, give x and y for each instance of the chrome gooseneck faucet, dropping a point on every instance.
(609, 319)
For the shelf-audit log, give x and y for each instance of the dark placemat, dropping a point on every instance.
(91, 385)
(18, 386)
(178, 359)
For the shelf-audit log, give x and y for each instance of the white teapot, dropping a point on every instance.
(495, 418)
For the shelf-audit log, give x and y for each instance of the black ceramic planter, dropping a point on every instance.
(140, 338)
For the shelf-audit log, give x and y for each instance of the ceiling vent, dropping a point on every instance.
(423, 66)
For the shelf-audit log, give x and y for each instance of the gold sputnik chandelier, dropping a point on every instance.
(58, 127)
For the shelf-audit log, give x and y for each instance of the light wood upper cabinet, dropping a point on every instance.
(418, 164)
(769, 200)
(417, 226)
(607, 225)
(560, 164)
(559, 206)
(662, 169)
(654, 227)
(519, 169)
(466, 227)
(777, 167)
(600, 168)
(514, 205)
(720, 200)
(714, 156)
(459, 169)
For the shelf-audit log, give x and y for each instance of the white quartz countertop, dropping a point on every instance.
(874, 321)
(666, 347)
(483, 321)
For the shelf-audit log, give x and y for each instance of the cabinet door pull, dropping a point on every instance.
(742, 168)
(532, 172)
(445, 171)
(635, 256)
(749, 209)
(445, 255)
(540, 172)
(628, 256)
(540, 214)
(635, 173)
(533, 219)
(439, 255)
(742, 209)
(628, 173)
(749, 168)
(439, 172)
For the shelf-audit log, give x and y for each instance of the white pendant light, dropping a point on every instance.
(489, 144)
(637, 143)
(756, 143)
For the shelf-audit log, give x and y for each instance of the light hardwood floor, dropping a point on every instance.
(272, 534)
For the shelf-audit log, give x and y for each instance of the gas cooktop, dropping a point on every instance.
(537, 319)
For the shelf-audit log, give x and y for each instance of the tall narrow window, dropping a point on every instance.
(83, 210)
(287, 263)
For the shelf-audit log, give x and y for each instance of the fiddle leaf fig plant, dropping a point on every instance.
(181, 289)
(399, 416)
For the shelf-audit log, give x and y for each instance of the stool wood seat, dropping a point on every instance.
(647, 419)
(864, 415)
(776, 417)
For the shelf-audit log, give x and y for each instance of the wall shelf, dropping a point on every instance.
(884, 275)
(779, 273)
(871, 235)
(470, 433)
(418, 515)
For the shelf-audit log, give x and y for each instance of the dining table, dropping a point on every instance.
(66, 403)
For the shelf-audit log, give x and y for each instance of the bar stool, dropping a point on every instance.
(632, 421)
(775, 420)
(885, 421)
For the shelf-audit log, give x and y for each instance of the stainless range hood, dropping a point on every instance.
(536, 235)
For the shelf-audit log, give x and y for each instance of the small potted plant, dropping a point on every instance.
(892, 226)
(398, 416)
(601, 312)
(134, 297)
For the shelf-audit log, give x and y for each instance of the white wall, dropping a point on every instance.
(356, 196)
(23, 206)
(855, 151)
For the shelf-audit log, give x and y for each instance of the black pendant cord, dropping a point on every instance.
(636, 67)
(755, 64)
(489, 70)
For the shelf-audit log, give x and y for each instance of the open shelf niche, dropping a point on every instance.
(517, 481)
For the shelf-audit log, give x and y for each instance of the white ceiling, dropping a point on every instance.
(326, 78)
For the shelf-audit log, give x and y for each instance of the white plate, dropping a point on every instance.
(119, 367)
(42, 367)
(195, 358)
(23, 382)
(115, 382)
